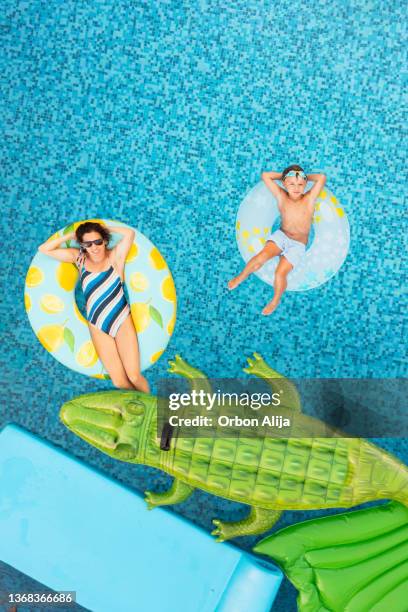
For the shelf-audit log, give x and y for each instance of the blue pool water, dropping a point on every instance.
(163, 115)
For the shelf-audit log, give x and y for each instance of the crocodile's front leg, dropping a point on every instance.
(278, 383)
(178, 492)
(197, 379)
(258, 521)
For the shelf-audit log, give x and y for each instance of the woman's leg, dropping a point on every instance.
(282, 270)
(128, 349)
(107, 351)
(270, 250)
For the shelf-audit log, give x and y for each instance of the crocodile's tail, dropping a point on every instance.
(356, 561)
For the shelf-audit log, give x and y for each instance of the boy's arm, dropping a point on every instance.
(269, 179)
(319, 182)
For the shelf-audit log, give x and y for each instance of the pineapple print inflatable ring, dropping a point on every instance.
(63, 331)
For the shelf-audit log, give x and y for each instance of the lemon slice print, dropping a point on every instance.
(171, 324)
(156, 356)
(156, 259)
(51, 304)
(79, 315)
(67, 276)
(51, 337)
(133, 253)
(168, 289)
(27, 302)
(87, 355)
(139, 282)
(140, 315)
(35, 276)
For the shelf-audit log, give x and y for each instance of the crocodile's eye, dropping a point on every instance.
(126, 452)
(134, 412)
(135, 407)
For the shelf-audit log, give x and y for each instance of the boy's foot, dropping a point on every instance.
(234, 282)
(269, 308)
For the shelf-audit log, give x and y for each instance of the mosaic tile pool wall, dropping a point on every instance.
(163, 115)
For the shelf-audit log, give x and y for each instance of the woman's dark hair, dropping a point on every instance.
(92, 226)
(294, 167)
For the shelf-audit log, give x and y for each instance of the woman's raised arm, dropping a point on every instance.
(51, 248)
(123, 247)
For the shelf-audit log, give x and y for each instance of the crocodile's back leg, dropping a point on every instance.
(178, 492)
(258, 521)
(279, 384)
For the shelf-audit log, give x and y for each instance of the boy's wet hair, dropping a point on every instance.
(293, 167)
(92, 226)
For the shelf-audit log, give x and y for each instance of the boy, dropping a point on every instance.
(288, 242)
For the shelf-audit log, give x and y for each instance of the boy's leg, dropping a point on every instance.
(270, 250)
(282, 270)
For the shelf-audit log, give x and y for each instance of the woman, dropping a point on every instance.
(101, 273)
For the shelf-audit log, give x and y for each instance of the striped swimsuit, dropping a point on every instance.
(106, 304)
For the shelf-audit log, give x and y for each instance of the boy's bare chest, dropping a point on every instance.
(296, 210)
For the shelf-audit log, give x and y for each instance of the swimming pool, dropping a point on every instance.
(163, 116)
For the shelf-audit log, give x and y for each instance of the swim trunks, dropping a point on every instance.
(293, 250)
(106, 304)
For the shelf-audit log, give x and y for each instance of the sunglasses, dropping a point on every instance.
(89, 243)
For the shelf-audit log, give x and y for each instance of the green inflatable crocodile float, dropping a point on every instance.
(269, 474)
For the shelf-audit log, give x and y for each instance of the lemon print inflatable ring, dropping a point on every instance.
(51, 307)
(256, 217)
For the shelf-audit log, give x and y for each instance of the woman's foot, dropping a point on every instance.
(140, 383)
(269, 308)
(234, 282)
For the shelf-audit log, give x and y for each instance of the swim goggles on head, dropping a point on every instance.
(296, 173)
(89, 243)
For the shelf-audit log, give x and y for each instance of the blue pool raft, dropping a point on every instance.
(73, 529)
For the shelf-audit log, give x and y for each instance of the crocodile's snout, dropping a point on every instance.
(95, 424)
(111, 424)
(68, 412)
